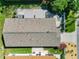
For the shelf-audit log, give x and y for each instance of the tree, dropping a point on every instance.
(78, 4)
(73, 5)
(57, 5)
(70, 22)
(1, 5)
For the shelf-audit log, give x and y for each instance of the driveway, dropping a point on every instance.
(69, 37)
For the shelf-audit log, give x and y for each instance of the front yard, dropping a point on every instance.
(54, 51)
(1, 54)
(18, 50)
(2, 17)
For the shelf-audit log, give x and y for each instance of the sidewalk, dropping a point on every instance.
(39, 51)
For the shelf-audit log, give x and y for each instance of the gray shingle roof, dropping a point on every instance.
(31, 32)
(29, 25)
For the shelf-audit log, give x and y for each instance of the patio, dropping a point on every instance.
(71, 51)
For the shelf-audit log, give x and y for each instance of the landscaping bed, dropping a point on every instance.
(18, 50)
(54, 51)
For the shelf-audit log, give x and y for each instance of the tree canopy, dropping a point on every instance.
(57, 5)
(62, 5)
(73, 5)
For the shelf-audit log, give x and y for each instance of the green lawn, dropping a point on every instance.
(1, 54)
(1, 43)
(1, 57)
(18, 50)
(1, 27)
(54, 51)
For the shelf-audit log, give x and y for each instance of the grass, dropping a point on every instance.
(11, 9)
(1, 57)
(1, 54)
(1, 27)
(54, 51)
(18, 50)
(1, 43)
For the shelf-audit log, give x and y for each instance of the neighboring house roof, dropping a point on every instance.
(31, 13)
(30, 57)
(31, 33)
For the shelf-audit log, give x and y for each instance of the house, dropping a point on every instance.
(30, 57)
(31, 13)
(29, 32)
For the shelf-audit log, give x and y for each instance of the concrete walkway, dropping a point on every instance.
(39, 50)
(69, 37)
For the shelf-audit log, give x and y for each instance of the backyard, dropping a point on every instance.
(9, 8)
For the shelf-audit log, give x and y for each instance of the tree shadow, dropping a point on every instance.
(21, 2)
